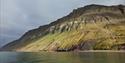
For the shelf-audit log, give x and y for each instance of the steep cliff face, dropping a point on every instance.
(87, 28)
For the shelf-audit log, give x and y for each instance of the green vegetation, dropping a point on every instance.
(105, 38)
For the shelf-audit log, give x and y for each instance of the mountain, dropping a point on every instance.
(93, 27)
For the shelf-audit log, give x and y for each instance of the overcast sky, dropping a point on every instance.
(19, 16)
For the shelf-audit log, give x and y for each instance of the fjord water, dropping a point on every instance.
(62, 57)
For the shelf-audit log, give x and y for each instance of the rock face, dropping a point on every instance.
(93, 27)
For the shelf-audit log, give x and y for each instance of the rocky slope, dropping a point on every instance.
(93, 27)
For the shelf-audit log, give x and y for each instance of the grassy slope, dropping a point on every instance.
(104, 35)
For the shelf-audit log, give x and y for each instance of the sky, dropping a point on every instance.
(19, 16)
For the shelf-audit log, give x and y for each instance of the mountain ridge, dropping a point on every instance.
(81, 21)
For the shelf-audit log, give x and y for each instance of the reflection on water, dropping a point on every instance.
(62, 57)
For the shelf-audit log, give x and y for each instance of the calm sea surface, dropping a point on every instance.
(62, 57)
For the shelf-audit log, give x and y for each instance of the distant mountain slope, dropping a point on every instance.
(93, 27)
